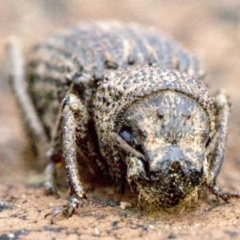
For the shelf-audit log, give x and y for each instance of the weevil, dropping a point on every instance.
(128, 101)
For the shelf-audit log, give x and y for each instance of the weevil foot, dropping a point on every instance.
(224, 196)
(65, 211)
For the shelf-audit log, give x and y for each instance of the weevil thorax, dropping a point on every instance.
(168, 118)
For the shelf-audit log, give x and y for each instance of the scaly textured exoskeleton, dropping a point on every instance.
(129, 102)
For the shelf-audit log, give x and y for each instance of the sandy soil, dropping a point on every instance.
(209, 28)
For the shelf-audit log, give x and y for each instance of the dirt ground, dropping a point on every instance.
(209, 28)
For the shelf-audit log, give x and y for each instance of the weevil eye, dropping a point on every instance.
(126, 134)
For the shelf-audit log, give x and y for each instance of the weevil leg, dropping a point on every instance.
(71, 116)
(71, 110)
(30, 116)
(19, 86)
(50, 187)
(73, 130)
(223, 195)
(54, 156)
(29, 113)
(223, 109)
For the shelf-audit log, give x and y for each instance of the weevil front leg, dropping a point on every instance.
(216, 157)
(71, 114)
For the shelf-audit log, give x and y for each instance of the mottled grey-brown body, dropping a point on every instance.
(130, 101)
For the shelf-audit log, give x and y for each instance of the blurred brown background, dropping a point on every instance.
(209, 28)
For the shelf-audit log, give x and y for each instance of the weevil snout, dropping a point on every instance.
(178, 169)
(172, 174)
(171, 182)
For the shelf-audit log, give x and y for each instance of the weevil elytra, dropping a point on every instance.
(132, 103)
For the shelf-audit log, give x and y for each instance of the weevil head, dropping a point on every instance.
(171, 130)
(164, 119)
